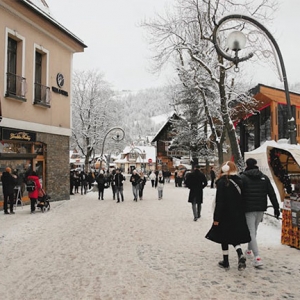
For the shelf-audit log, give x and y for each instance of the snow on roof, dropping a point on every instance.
(149, 150)
(41, 7)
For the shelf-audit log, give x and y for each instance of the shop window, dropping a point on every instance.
(265, 124)
(15, 83)
(21, 148)
(42, 95)
(283, 128)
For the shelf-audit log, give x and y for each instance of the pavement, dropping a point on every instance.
(85, 248)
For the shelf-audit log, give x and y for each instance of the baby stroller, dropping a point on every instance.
(43, 201)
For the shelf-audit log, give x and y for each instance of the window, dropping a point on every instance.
(15, 82)
(41, 90)
(283, 128)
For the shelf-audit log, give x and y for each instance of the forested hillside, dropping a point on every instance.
(136, 109)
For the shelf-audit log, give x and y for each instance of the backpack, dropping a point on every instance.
(30, 186)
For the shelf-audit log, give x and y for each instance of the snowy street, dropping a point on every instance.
(85, 248)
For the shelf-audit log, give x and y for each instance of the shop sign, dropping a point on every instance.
(60, 80)
(18, 135)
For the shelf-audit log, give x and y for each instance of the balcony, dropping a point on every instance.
(42, 95)
(16, 86)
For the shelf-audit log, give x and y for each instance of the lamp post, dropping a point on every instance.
(236, 41)
(119, 136)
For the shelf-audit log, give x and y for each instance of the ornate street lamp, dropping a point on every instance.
(142, 154)
(236, 41)
(118, 136)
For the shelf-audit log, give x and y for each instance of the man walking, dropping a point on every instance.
(8, 183)
(134, 179)
(118, 181)
(196, 182)
(257, 188)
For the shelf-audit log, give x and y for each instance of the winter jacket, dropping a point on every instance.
(159, 180)
(257, 186)
(34, 194)
(118, 179)
(196, 182)
(8, 183)
(229, 212)
(134, 179)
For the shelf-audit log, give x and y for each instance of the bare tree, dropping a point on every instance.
(184, 36)
(93, 112)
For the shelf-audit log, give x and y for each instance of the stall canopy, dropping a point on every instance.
(289, 156)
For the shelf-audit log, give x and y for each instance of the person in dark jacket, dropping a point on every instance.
(9, 181)
(196, 182)
(135, 179)
(101, 182)
(257, 189)
(212, 177)
(118, 179)
(142, 184)
(159, 184)
(229, 224)
(34, 194)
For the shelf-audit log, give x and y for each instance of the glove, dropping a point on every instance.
(276, 213)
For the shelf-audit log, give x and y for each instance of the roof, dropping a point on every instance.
(41, 8)
(174, 115)
(149, 150)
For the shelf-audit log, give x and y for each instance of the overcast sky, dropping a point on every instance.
(118, 48)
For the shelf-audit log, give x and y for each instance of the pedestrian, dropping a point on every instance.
(9, 181)
(112, 183)
(72, 181)
(257, 189)
(159, 184)
(33, 195)
(196, 182)
(101, 183)
(212, 177)
(176, 178)
(229, 221)
(76, 182)
(152, 177)
(142, 183)
(118, 180)
(134, 179)
(83, 182)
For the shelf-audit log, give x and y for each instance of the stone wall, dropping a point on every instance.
(57, 165)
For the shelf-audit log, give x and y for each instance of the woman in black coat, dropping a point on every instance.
(196, 182)
(229, 226)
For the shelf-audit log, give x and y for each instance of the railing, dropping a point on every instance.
(15, 85)
(42, 94)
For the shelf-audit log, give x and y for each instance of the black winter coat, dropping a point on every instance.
(8, 183)
(229, 212)
(257, 187)
(196, 182)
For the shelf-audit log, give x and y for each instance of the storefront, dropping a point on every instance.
(21, 151)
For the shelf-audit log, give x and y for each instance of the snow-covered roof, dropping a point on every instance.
(150, 152)
(41, 7)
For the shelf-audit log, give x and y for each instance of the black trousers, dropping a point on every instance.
(196, 209)
(8, 199)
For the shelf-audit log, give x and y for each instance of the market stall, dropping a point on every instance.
(281, 162)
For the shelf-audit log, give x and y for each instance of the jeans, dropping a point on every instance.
(253, 219)
(160, 191)
(119, 191)
(196, 209)
(135, 191)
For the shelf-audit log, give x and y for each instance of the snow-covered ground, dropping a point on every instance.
(85, 248)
